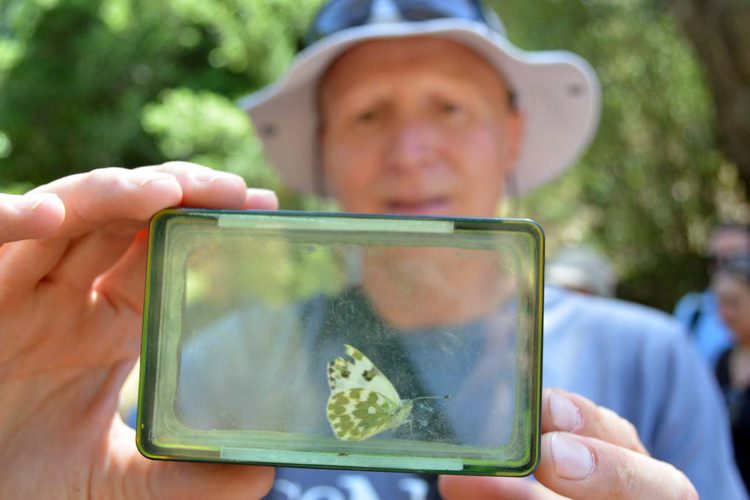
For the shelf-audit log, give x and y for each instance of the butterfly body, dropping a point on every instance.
(363, 402)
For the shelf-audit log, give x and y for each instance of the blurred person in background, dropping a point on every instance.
(698, 311)
(582, 269)
(731, 284)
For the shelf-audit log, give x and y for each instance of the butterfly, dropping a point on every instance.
(363, 402)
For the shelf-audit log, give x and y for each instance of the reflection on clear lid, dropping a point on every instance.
(341, 340)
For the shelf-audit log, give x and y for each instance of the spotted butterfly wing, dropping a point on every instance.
(363, 402)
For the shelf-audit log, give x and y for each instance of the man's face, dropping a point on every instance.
(734, 305)
(417, 126)
(726, 243)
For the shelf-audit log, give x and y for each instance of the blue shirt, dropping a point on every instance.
(626, 357)
(638, 362)
(699, 312)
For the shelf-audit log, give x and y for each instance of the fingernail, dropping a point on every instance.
(573, 459)
(32, 201)
(258, 194)
(565, 415)
(261, 199)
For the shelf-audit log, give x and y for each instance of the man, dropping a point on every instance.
(411, 117)
(70, 301)
(698, 311)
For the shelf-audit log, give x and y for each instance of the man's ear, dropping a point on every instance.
(515, 129)
(322, 186)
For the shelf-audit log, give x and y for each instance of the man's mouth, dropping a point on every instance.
(426, 206)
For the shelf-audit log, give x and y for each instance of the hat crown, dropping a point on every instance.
(384, 11)
(388, 11)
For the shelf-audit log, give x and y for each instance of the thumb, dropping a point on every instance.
(197, 480)
(144, 478)
(492, 488)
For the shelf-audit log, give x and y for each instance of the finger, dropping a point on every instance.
(198, 186)
(144, 478)
(260, 199)
(565, 411)
(122, 287)
(85, 258)
(124, 284)
(29, 216)
(108, 194)
(583, 467)
(108, 197)
(491, 488)
(200, 481)
(107, 245)
(81, 258)
(91, 200)
(204, 187)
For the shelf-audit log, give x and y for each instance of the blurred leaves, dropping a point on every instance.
(653, 183)
(78, 75)
(209, 129)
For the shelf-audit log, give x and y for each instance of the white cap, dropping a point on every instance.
(582, 268)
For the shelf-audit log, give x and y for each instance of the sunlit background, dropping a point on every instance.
(85, 84)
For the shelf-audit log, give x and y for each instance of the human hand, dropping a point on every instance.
(587, 451)
(72, 271)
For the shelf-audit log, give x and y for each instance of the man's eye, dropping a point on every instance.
(449, 108)
(367, 116)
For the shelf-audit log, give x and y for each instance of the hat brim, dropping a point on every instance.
(557, 92)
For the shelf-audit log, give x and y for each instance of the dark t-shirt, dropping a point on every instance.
(455, 350)
(420, 362)
(738, 405)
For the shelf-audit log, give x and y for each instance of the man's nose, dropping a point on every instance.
(412, 144)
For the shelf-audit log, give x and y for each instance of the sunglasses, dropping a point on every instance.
(716, 262)
(339, 15)
(737, 266)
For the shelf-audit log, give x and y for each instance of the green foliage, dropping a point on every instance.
(649, 189)
(270, 271)
(209, 129)
(77, 76)
(90, 83)
(132, 82)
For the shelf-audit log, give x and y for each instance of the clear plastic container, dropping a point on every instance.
(343, 341)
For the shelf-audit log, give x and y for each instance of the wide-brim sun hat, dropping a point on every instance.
(556, 91)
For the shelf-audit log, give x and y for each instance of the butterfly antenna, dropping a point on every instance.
(447, 396)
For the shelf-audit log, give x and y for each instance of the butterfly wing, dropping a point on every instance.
(356, 414)
(363, 402)
(359, 372)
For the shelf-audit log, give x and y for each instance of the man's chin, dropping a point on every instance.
(433, 208)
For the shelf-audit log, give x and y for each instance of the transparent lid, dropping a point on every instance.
(343, 341)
